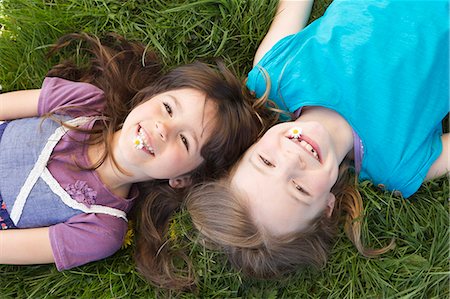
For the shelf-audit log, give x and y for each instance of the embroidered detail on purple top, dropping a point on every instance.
(81, 192)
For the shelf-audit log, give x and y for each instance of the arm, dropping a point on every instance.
(83, 238)
(25, 246)
(442, 165)
(291, 17)
(19, 104)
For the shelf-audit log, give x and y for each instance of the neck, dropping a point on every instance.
(116, 181)
(341, 133)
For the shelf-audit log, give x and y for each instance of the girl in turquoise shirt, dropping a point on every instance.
(367, 88)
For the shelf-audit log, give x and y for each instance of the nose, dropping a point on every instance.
(301, 162)
(162, 130)
(294, 159)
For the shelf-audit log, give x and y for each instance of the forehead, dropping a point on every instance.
(197, 107)
(271, 205)
(193, 99)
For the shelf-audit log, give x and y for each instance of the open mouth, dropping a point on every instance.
(308, 145)
(141, 142)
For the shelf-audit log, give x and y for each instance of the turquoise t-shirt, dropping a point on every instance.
(384, 66)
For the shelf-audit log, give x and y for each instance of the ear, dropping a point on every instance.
(180, 182)
(330, 204)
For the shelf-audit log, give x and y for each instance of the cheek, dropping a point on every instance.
(327, 178)
(144, 110)
(333, 176)
(175, 158)
(180, 162)
(325, 182)
(321, 182)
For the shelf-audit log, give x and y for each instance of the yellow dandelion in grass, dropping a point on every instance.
(129, 236)
(173, 230)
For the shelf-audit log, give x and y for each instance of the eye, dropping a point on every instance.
(168, 108)
(299, 188)
(265, 161)
(185, 141)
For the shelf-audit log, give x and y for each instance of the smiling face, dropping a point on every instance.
(287, 178)
(162, 137)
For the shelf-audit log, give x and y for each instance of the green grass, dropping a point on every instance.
(182, 31)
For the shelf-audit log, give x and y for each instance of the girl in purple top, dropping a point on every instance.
(75, 154)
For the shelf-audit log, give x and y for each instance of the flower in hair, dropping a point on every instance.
(295, 133)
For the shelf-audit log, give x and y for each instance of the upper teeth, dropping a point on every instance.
(140, 141)
(308, 146)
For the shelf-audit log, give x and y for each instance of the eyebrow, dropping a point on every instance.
(180, 107)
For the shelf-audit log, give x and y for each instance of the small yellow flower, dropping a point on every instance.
(172, 230)
(128, 240)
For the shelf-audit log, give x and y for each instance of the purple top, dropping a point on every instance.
(74, 240)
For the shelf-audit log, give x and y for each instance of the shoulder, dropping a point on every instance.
(57, 92)
(85, 238)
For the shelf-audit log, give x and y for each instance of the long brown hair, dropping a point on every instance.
(120, 68)
(239, 122)
(129, 74)
(223, 220)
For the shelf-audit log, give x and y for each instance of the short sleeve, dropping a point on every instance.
(86, 238)
(57, 92)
